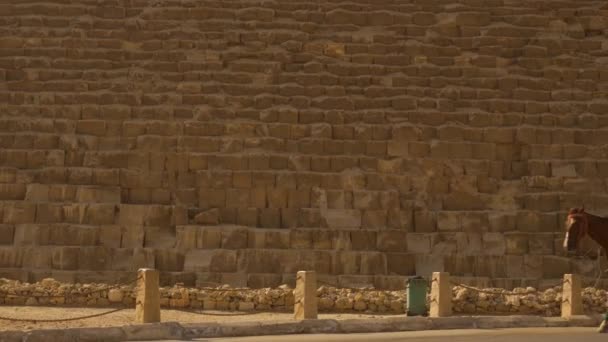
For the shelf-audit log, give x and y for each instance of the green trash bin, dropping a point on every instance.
(416, 296)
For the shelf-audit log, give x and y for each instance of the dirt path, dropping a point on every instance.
(126, 317)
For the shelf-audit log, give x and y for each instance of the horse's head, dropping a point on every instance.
(577, 227)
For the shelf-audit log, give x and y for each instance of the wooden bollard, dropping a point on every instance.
(572, 300)
(305, 295)
(441, 295)
(147, 303)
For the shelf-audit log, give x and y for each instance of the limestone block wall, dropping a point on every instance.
(241, 141)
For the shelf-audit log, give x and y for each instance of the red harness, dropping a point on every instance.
(585, 224)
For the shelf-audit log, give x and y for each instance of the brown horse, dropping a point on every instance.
(580, 224)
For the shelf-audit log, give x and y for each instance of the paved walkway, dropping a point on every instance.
(478, 335)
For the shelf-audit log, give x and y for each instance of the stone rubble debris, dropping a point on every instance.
(50, 292)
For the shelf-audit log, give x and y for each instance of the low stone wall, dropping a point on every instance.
(523, 301)
(331, 299)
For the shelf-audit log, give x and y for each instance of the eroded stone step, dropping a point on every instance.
(24, 212)
(347, 264)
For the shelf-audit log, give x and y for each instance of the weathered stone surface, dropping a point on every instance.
(342, 218)
(7, 234)
(426, 264)
(147, 309)
(98, 195)
(115, 296)
(572, 304)
(493, 244)
(211, 217)
(305, 295)
(320, 135)
(211, 261)
(441, 295)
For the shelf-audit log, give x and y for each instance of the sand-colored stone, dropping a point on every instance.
(572, 301)
(147, 302)
(441, 295)
(543, 301)
(381, 141)
(305, 293)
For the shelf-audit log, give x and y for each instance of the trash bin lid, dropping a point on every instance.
(415, 278)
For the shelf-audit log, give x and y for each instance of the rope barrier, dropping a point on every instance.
(219, 287)
(492, 292)
(213, 289)
(501, 291)
(30, 320)
(360, 289)
(201, 312)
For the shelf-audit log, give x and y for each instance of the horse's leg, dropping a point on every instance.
(603, 328)
(604, 325)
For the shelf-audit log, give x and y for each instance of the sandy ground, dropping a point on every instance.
(126, 317)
